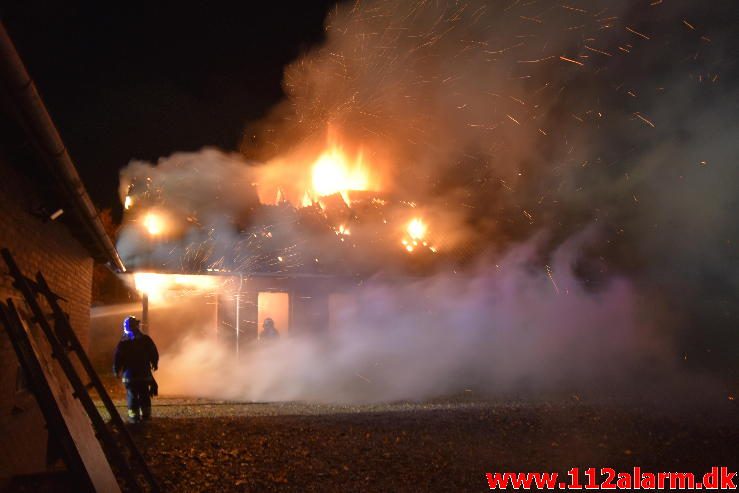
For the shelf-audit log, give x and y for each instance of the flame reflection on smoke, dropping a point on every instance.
(160, 287)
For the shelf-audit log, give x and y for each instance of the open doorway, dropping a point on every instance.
(275, 306)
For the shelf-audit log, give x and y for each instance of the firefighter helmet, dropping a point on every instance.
(130, 325)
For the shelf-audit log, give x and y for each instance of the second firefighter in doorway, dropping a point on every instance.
(269, 331)
(135, 357)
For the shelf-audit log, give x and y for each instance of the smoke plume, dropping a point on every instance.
(581, 158)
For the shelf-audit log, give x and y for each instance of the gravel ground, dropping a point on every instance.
(442, 445)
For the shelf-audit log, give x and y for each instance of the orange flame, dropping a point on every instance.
(308, 173)
(154, 223)
(307, 200)
(416, 229)
(333, 172)
(416, 232)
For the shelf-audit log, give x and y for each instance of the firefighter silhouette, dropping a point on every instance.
(135, 357)
(268, 330)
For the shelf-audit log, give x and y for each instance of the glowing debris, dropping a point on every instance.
(644, 119)
(637, 33)
(551, 278)
(571, 61)
(596, 50)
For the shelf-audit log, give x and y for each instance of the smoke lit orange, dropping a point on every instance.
(158, 286)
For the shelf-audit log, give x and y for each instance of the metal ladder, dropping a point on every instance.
(120, 449)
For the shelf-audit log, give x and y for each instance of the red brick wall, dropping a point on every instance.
(47, 246)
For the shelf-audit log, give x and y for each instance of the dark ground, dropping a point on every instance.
(441, 445)
(448, 445)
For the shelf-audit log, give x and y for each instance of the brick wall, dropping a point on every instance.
(47, 246)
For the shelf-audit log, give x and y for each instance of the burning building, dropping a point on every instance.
(212, 224)
(518, 145)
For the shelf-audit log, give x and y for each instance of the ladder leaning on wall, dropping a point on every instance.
(101, 459)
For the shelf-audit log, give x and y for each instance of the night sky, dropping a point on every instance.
(132, 81)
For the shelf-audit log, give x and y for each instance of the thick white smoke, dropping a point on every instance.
(196, 195)
(498, 327)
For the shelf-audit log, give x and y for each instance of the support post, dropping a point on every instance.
(145, 313)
